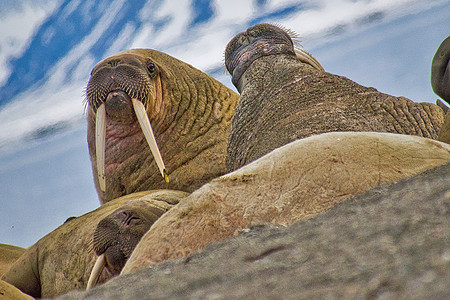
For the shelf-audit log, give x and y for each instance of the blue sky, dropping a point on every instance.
(45, 172)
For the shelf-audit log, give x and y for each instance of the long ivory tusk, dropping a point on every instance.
(148, 133)
(308, 58)
(100, 135)
(96, 271)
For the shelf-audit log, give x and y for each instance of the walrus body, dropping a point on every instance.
(292, 183)
(62, 260)
(284, 98)
(190, 114)
(8, 255)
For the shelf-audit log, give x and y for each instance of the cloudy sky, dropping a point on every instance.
(47, 49)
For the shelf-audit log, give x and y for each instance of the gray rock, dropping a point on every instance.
(392, 241)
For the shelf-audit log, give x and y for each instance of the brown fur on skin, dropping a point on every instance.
(189, 111)
(292, 183)
(284, 98)
(62, 260)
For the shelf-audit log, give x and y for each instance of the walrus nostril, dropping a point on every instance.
(113, 62)
(128, 218)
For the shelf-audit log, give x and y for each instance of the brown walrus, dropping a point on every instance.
(8, 255)
(190, 116)
(289, 184)
(440, 81)
(285, 95)
(63, 259)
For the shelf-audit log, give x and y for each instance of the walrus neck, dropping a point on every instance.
(261, 105)
(270, 68)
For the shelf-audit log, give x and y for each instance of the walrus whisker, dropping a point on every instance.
(305, 57)
(100, 137)
(90, 248)
(96, 271)
(292, 34)
(149, 136)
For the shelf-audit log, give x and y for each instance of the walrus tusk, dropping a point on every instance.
(96, 271)
(305, 57)
(100, 135)
(148, 133)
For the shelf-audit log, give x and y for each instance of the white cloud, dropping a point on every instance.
(82, 49)
(24, 115)
(233, 12)
(17, 29)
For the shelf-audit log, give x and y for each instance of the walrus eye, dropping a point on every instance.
(151, 67)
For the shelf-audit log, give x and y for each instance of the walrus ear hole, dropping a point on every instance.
(151, 67)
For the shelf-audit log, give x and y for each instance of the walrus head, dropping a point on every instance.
(141, 99)
(440, 71)
(440, 82)
(262, 40)
(118, 91)
(117, 235)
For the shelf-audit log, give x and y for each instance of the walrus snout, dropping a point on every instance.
(116, 236)
(258, 41)
(122, 230)
(123, 73)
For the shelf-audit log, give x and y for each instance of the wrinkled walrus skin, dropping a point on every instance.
(440, 81)
(284, 98)
(62, 260)
(190, 114)
(292, 183)
(8, 255)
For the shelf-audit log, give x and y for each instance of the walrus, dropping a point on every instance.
(292, 183)
(143, 104)
(62, 260)
(440, 82)
(8, 255)
(286, 95)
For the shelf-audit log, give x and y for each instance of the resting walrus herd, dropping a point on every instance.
(180, 161)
